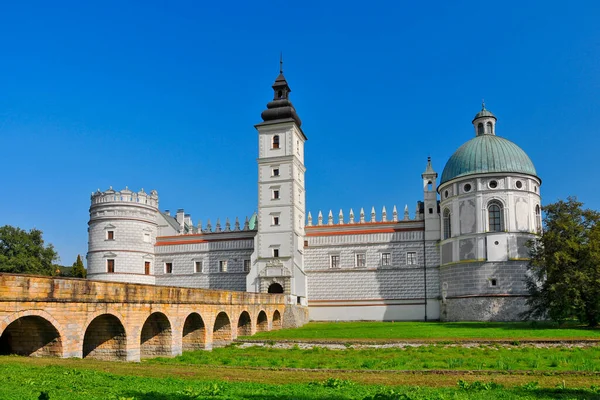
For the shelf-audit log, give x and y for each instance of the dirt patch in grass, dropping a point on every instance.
(266, 375)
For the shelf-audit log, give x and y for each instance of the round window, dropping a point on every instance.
(467, 187)
(519, 184)
(446, 194)
(493, 184)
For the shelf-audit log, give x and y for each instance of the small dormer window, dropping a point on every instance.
(490, 128)
(480, 129)
(276, 141)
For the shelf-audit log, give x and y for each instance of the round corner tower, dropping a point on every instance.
(490, 209)
(122, 232)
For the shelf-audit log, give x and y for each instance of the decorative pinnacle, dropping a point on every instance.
(281, 62)
(482, 104)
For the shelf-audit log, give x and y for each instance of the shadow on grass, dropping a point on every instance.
(261, 396)
(575, 394)
(514, 326)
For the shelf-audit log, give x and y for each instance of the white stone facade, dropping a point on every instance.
(446, 261)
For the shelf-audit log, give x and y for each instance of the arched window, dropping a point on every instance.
(490, 128)
(496, 219)
(480, 129)
(538, 219)
(276, 141)
(447, 224)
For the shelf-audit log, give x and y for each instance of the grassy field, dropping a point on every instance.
(430, 331)
(443, 369)
(482, 357)
(24, 378)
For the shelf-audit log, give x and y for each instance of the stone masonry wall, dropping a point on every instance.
(59, 313)
(374, 281)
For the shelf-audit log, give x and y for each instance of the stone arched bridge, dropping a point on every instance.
(43, 316)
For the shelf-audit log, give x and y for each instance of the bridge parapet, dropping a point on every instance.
(15, 287)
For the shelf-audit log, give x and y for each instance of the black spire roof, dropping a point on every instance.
(281, 107)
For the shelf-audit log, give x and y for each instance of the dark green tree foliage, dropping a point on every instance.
(78, 271)
(565, 265)
(24, 252)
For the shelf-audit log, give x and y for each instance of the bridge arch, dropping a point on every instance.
(222, 329)
(105, 338)
(244, 325)
(31, 333)
(276, 325)
(262, 322)
(156, 338)
(194, 333)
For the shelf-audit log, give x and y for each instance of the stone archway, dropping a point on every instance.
(156, 337)
(31, 335)
(276, 320)
(244, 327)
(194, 333)
(275, 288)
(262, 323)
(105, 339)
(222, 330)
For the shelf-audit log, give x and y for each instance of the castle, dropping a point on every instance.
(462, 256)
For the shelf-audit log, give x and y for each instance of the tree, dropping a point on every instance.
(24, 252)
(78, 270)
(564, 280)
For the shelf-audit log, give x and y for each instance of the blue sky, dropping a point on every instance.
(164, 95)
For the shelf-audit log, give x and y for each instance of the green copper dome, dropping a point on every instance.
(487, 153)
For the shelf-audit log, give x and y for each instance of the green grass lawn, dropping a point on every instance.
(435, 331)
(437, 357)
(26, 381)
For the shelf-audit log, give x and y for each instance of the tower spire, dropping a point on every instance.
(281, 62)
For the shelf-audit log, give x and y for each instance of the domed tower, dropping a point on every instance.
(122, 233)
(490, 209)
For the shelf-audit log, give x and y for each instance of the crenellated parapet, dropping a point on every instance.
(125, 196)
(249, 224)
(361, 218)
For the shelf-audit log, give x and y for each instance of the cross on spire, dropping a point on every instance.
(281, 62)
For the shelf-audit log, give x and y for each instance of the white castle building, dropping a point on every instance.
(462, 256)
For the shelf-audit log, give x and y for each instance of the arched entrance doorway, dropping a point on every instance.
(275, 288)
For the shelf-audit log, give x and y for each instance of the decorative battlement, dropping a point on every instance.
(362, 217)
(125, 196)
(249, 225)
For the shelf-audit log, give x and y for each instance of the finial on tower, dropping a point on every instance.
(482, 104)
(281, 62)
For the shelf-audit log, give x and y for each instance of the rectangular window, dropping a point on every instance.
(246, 265)
(386, 259)
(110, 266)
(411, 258)
(110, 235)
(275, 194)
(223, 266)
(361, 260)
(197, 266)
(335, 261)
(146, 237)
(275, 252)
(147, 268)
(275, 220)
(168, 268)
(275, 171)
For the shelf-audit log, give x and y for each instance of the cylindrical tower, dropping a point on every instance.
(122, 233)
(490, 209)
